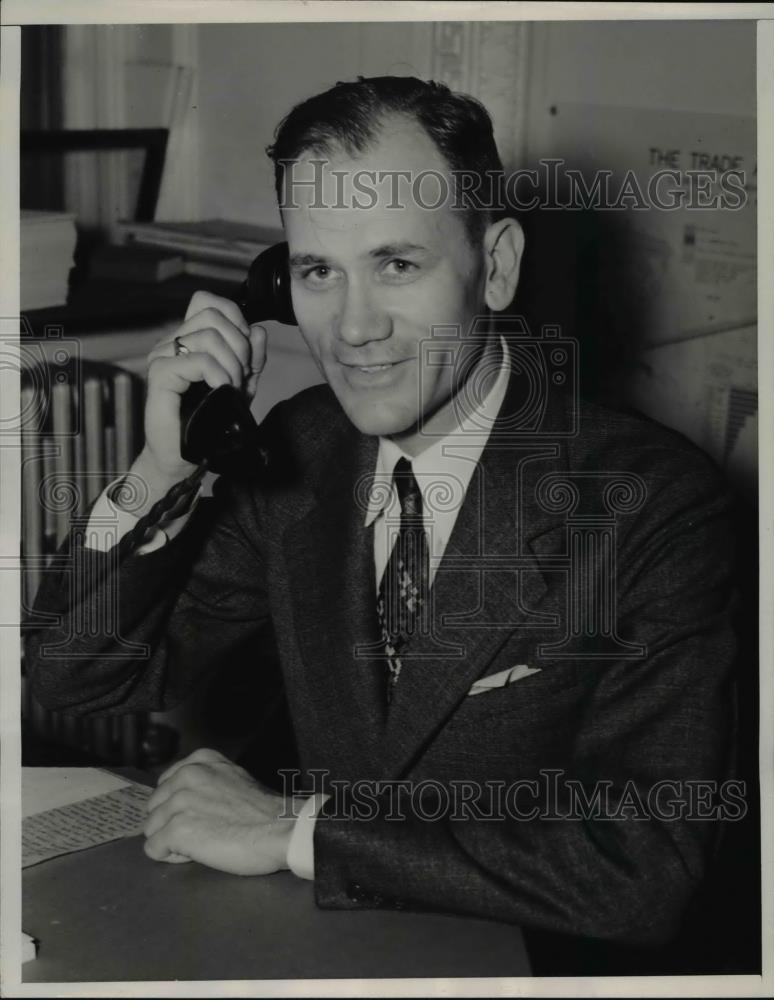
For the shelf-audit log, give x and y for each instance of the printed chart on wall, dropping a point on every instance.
(707, 388)
(683, 185)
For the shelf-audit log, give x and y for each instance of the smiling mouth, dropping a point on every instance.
(375, 366)
(372, 375)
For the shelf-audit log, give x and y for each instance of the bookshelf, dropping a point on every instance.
(116, 324)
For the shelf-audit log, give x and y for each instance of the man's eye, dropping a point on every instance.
(400, 268)
(318, 274)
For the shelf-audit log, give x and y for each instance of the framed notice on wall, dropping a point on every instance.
(681, 190)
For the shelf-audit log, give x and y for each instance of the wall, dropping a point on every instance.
(250, 77)
(686, 65)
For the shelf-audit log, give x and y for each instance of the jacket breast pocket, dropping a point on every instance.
(512, 730)
(557, 683)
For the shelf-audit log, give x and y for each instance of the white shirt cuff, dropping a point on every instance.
(108, 523)
(301, 847)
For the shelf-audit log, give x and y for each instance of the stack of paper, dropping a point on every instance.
(69, 809)
(47, 248)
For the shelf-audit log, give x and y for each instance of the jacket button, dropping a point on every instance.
(356, 893)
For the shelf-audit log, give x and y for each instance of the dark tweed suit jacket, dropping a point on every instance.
(294, 549)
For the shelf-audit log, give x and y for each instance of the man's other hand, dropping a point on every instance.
(207, 809)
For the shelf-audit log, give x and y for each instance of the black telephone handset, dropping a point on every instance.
(217, 429)
(216, 424)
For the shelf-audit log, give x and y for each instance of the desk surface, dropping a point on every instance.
(111, 914)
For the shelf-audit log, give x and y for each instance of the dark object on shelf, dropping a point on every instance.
(148, 265)
(97, 306)
(152, 140)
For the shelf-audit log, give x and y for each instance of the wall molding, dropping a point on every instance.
(490, 61)
(179, 198)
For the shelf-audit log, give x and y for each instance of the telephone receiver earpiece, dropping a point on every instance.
(216, 425)
(265, 293)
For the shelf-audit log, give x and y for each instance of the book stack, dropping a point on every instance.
(47, 247)
(214, 248)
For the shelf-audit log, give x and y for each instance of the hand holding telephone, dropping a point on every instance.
(217, 429)
(216, 424)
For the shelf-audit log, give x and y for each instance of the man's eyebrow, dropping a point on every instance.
(386, 250)
(306, 259)
(397, 249)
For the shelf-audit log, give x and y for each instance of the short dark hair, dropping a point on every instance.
(350, 114)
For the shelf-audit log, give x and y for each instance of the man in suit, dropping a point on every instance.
(502, 615)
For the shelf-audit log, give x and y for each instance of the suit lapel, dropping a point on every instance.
(329, 555)
(477, 600)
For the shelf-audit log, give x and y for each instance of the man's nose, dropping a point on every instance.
(362, 318)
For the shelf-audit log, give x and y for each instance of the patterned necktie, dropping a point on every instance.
(402, 601)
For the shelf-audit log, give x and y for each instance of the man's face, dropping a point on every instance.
(369, 284)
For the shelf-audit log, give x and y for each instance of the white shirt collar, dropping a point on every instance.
(454, 455)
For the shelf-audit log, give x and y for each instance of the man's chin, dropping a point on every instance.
(376, 420)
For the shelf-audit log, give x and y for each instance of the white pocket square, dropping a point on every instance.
(502, 678)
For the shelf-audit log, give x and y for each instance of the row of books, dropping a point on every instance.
(76, 437)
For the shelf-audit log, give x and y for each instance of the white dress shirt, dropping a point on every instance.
(443, 471)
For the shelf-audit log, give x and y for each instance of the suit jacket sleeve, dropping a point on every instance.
(139, 636)
(666, 717)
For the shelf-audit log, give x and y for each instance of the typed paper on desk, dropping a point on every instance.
(69, 809)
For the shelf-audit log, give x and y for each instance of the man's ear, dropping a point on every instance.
(503, 247)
